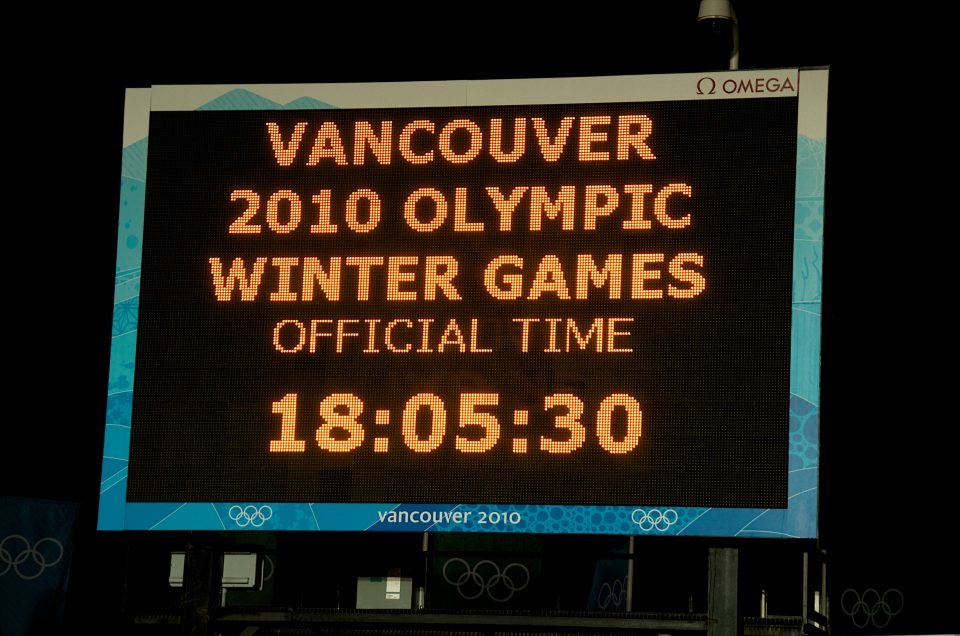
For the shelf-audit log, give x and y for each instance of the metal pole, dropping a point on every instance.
(722, 592)
(201, 590)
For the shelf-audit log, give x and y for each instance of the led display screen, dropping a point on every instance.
(563, 315)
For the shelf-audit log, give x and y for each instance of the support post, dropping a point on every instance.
(201, 589)
(722, 593)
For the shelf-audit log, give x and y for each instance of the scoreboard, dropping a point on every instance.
(567, 305)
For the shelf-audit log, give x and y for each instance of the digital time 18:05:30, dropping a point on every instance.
(424, 425)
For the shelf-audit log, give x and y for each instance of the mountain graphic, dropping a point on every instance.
(242, 99)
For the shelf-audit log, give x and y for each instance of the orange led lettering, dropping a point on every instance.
(438, 275)
(373, 210)
(242, 224)
(339, 412)
(605, 424)
(506, 206)
(627, 138)
(388, 336)
(542, 205)
(549, 279)
(364, 137)
(640, 274)
(696, 280)
(583, 341)
(473, 422)
(301, 336)
(343, 333)
(551, 149)
(588, 137)
(363, 265)
(512, 283)
(405, 137)
(327, 146)
(519, 140)
(660, 206)
(287, 410)
(588, 273)
(601, 200)
(453, 337)
(425, 335)
(474, 329)
(285, 152)
(439, 212)
(223, 286)
(460, 223)
(525, 332)
(329, 280)
(519, 443)
(576, 434)
(476, 141)
(284, 264)
(552, 347)
(273, 211)
(316, 333)
(395, 276)
(371, 335)
(636, 220)
(323, 224)
(612, 335)
(438, 423)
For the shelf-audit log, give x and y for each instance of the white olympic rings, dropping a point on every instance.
(654, 519)
(251, 515)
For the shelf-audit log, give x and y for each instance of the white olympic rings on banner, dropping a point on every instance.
(654, 519)
(31, 561)
(251, 515)
(611, 595)
(871, 608)
(485, 576)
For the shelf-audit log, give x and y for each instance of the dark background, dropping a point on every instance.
(888, 474)
(710, 373)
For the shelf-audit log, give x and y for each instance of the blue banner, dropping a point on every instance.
(36, 546)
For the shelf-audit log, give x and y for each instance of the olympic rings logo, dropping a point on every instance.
(251, 515)
(611, 595)
(870, 608)
(31, 561)
(655, 519)
(486, 577)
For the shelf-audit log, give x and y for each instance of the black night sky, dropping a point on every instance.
(888, 475)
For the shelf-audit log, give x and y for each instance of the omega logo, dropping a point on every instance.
(707, 85)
